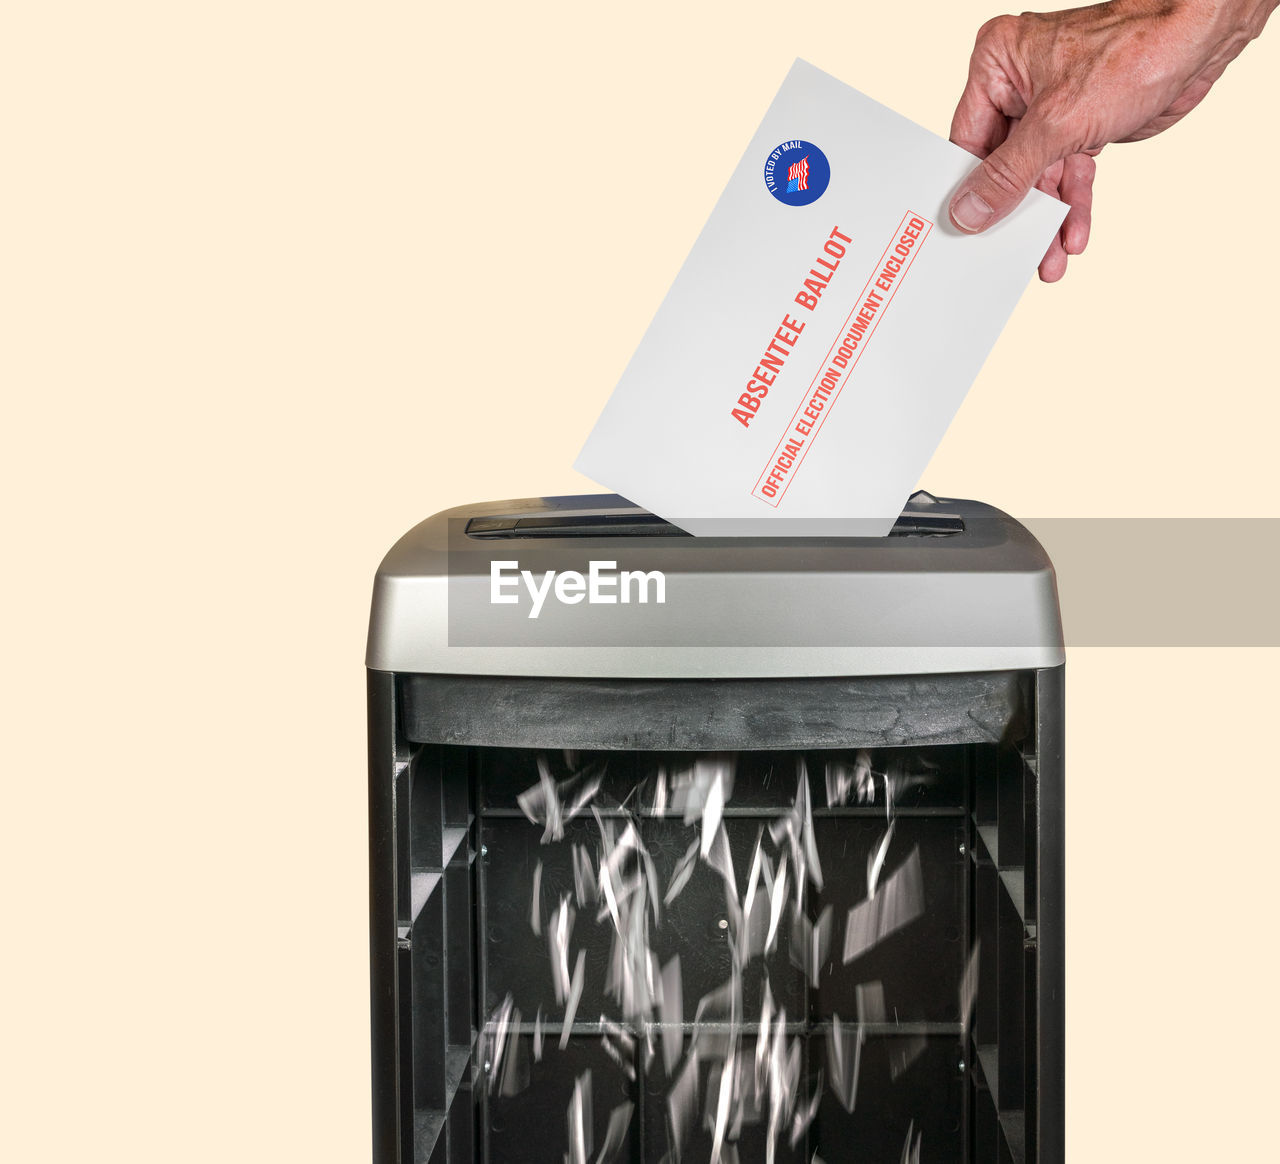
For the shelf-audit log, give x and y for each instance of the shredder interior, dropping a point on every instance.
(879, 1006)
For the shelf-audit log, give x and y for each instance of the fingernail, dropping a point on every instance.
(970, 213)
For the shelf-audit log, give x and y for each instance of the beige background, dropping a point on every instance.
(281, 279)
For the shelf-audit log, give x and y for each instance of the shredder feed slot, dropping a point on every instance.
(650, 525)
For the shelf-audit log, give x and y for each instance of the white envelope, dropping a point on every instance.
(822, 332)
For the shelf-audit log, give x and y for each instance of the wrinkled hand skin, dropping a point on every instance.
(1047, 91)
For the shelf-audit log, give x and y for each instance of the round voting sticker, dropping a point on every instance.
(797, 173)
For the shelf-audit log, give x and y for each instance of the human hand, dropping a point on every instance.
(1047, 91)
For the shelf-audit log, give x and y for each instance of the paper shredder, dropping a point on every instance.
(728, 849)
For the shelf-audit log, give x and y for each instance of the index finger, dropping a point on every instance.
(978, 125)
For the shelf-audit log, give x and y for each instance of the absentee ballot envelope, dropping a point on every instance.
(822, 332)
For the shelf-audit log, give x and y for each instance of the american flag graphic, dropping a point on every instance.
(798, 175)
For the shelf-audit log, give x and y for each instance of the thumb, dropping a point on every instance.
(994, 189)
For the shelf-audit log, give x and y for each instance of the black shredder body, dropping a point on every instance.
(695, 849)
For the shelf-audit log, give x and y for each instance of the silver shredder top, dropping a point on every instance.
(594, 587)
